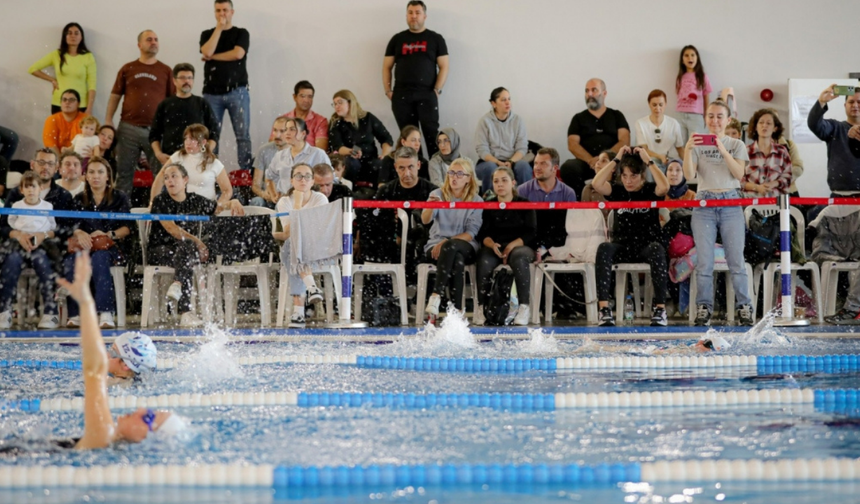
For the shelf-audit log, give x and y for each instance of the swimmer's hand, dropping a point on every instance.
(80, 288)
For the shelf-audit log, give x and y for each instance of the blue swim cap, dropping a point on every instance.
(137, 351)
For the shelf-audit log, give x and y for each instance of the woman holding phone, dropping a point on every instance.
(719, 162)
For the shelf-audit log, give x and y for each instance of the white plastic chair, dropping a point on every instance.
(589, 279)
(830, 281)
(424, 271)
(233, 272)
(332, 276)
(622, 270)
(730, 290)
(397, 272)
(768, 275)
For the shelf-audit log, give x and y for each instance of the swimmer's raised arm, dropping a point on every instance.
(98, 422)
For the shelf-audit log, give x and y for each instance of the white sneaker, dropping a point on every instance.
(49, 321)
(188, 319)
(6, 320)
(478, 318)
(174, 292)
(74, 321)
(106, 320)
(522, 317)
(315, 295)
(297, 319)
(433, 303)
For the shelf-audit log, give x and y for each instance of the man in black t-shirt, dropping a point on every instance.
(414, 55)
(324, 178)
(592, 131)
(225, 86)
(175, 113)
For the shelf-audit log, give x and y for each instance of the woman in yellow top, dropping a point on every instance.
(74, 67)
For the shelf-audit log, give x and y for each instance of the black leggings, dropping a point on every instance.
(182, 257)
(653, 253)
(519, 260)
(453, 257)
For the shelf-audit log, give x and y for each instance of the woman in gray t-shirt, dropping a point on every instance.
(718, 162)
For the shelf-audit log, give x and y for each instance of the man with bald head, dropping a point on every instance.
(141, 85)
(592, 131)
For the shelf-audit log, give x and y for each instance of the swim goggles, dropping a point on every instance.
(708, 344)
(149, 419)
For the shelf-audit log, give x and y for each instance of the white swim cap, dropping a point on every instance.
(719, 342)
(137, 351)
(172, 426)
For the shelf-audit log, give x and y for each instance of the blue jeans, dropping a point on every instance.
(11, 271)
(9, 139)
(101, 283)
(485, 169)
(732, 226)
(238, 104)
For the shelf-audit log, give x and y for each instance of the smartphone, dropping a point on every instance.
(708, 139)
(355, 149)
(33, 240)
(843, 90)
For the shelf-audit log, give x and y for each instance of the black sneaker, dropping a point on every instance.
(844, 317)
(703, 316)
(745, 316)
(606, 319)
(658, 317)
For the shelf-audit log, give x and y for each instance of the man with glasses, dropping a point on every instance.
(303, 95)
(61, 128)
(592, 131)
(44, 163)
(175, 113)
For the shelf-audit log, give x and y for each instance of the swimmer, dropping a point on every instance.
(100, 428)
(130, 355)
(705, 344)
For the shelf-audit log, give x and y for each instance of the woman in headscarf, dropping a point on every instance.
(448, 142)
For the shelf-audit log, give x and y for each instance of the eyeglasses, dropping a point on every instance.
(657, 136)
(338, 103)
(149, 419)
(71, 99)
(443, 141)
(42, 162)
(113, 353)
(458, 174)
(299, 176)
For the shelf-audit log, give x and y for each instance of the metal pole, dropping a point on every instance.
(345, 306)
(786, 318)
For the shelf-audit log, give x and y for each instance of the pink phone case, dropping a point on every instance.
(708, 139)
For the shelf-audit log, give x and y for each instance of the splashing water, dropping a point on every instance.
(763, 334)
(538, 343)
(453, 335)
(212, 362)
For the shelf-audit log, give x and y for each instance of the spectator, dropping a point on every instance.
(592, 131)
(30, 241)
(843, 166)
(203, 169)
(452, 242)
(796, 160)
(658, 132)
(264, 158)
(410, 136)
(86, 143)
(734, 129)
(448, 142)
(278, 174)
(504, 235)
(303, 94)
(74, 68)
(71, 172)
(338, 164)
(61, 127)
(171, 243)
(678, 188)
(414, 55)
(588, 193)
(99, 237)
(107, 133)
(836, 240)
(768, 173)
(9, 142)
(693, 88)
(719, 169)
(546, 187)
(300, 195)
(324, 180)
(225, 51)
(638, 236)
(175, 113)
(501, 140)
(352, 133)
(144, 83)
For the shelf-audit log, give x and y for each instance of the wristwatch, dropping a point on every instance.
(112, 235)
(438, 91)
(651, 161)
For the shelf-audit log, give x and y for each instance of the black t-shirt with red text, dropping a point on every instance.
(415, 58)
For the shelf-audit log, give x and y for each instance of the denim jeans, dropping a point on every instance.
(238, 104)
(101, 283)
(732, 227)
(11, 271)
(485, 169)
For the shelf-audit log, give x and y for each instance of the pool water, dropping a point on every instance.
(368, 434)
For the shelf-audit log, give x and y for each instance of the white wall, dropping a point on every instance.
(542, 50)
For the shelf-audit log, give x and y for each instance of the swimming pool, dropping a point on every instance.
(440, 417)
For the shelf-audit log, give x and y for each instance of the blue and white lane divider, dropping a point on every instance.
(769, 364)
(499, 401)
(427, 475)
(69, 214)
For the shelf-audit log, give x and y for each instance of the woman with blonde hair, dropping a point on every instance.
(452, 241)
(353, 132)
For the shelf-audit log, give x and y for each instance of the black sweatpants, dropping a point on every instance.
(453, 257)
(182, 257)
(611, 253)
(519, 260)
(418, 108)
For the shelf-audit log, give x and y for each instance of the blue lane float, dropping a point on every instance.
(511, 402)
(447, 475)
(776, 364)
(40, 364)
(456, 365)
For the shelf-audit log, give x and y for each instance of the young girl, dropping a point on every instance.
(86, 143)
(338, 164)
(692, 87)
(300, 195)
(452, 237)
(719, 169)
(638, 236)
(410, 136)
(734, 129)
